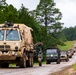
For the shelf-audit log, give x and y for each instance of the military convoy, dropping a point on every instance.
(56, 55)
(16, 46)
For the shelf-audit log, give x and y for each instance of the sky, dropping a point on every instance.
(67, 8)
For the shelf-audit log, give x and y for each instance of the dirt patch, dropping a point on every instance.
(67, 71)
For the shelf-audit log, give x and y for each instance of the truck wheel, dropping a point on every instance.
(4, 65)
(29, 62)
(67, 60)
(22, 61)
(58, 61)
(47, 62)
(40, 63)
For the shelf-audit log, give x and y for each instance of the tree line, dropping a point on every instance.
(45, 21)
(69, 33)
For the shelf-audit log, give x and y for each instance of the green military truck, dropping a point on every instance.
(52, 55)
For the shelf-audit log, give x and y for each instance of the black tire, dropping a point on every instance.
(71, 56)
(58, 61)
(67, 60)
(40, 63)
(22, 62)
(47, 62)
(4, 65)
(29, 62)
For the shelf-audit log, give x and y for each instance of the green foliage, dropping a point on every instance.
(49, 16)
(69, 33)
(10, 13)
(74, 66)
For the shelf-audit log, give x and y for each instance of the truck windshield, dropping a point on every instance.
(12, 35)
(50, 51)
(1, 35)
(63, 53)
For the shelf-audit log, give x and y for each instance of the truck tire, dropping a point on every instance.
(40, 63)
(47, 62)
(4, 65)
(58, 61)
(22, 62)
(29, 62)
(67, 60)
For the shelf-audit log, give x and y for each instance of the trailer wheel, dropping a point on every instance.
(22, 62)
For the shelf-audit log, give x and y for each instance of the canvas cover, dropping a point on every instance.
(26, 34)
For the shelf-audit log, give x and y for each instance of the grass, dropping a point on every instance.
(74, 66)
(68, 45)
(36, 63)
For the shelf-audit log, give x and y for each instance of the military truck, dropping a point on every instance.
(64, 56)
(16, 45)
(52, 55)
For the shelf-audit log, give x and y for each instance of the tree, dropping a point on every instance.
(49, 16)
(10, 14)
(3, 4)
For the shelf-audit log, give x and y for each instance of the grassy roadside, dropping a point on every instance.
(62, 72)
(71, 70)
(74, 66)
(68, 45)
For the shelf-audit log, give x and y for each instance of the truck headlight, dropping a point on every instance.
(16, 44)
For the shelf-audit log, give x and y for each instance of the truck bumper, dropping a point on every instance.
(9, 57)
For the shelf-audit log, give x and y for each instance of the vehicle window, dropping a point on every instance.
(1, 35)
(12, 35)
(63, 52)
(51, 51)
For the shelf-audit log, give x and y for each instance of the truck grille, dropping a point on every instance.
(4, 47)
(62, 56)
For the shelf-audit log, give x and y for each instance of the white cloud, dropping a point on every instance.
(30, 4)
(67, 7)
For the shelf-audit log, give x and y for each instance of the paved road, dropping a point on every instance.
(36, 70)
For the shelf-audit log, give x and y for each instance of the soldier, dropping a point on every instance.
(39, 52)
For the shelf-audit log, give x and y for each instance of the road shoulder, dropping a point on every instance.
(66, 71)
